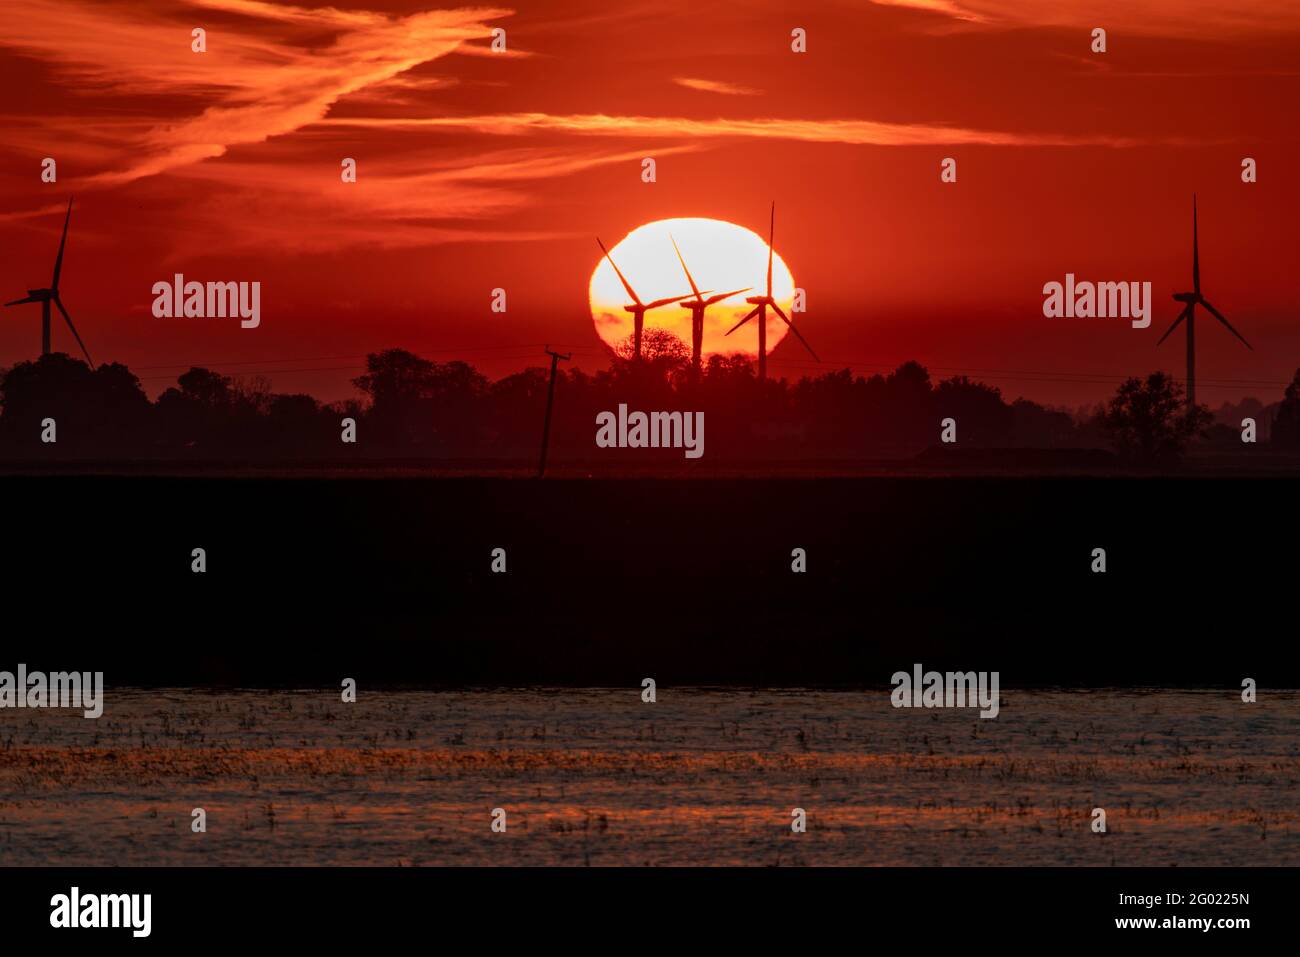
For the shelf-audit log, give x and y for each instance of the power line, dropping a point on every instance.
(362, 355)
(1026, 375)
(515, 351)
(351, 368)
(149, 378)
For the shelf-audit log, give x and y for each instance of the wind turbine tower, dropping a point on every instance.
(1192, 300)
(51, 295)
(762, 304)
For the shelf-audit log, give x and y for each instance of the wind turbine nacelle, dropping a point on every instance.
(757, 300)
(1186, 297)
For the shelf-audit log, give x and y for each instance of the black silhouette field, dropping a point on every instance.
(389, 580)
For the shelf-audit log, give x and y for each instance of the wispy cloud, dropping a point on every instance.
(37, 213)
(412, 201)
(952, 8)
(856, 132)
(394, 90)
(1184, 18)
(715, 86)
(258, 80)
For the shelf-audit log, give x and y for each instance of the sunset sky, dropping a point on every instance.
(479, 170)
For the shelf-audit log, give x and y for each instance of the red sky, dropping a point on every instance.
(480, 170)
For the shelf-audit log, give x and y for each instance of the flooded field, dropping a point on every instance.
(700, 777)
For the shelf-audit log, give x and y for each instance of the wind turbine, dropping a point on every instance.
(761, 305)
(636, 306)
(1193, 299)
(46, 296)
(697, 307)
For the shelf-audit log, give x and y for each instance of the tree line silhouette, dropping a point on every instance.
(419, 409)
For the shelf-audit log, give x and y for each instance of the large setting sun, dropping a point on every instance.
(721, 257)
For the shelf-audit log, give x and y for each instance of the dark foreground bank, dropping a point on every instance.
(391, 581)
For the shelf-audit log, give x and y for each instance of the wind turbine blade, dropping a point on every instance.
(752, 314)
(1196, 252)
(58, 263)
(795, 331)
(626, 285)
(58, 302)
(665, 302)
(723, 295)
(771, 232)
(1218, 315)
(19, 302)
(1181, 316)
(695, 289)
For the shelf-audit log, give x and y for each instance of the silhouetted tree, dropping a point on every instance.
(983, 419)
(901, 407)
(657, 345)
(1148, 423)
(1286, 426)
(416, 402)
(199, 412)
(103, 411)
(417, 407)
(665, 364)
(297, 422)
(512, 409)
(1039, 427)
(205, 387)
(725, 371)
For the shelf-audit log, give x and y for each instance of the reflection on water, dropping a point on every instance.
(700, 777)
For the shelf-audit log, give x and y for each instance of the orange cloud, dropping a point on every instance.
(715, 86)
(1190, 18)
(393, 203)
(951, 8)
(255, 81)
(856, 132)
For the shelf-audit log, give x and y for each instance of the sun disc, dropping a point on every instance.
(721, 257)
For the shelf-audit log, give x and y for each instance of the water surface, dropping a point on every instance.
(701, 777)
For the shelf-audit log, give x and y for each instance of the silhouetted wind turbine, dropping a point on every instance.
(636, 306)
(761, 304)
(697, 307)
(1193, 299)
(46, 296)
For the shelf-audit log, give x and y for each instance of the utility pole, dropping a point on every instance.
(550, 404)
